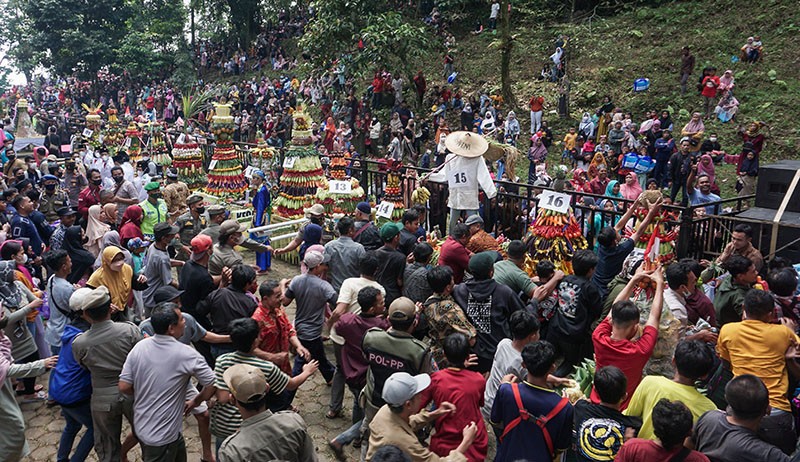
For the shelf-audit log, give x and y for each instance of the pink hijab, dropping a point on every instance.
(708, 170)
(630, 192)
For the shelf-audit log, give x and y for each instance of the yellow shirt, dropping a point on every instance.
(569, 141)
(758, 348)
(653, 388)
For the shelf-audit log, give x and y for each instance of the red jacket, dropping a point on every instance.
(456, 256)
(710, 85)
(86, 199)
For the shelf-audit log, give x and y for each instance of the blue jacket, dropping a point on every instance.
(70, 384)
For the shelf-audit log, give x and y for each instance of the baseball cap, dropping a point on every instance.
(364, 207)
(246, 383)
(316, 210)
(314, 259)
(402, 386)
(151, 186)
(215, 210)
(201, 243)
(95, 298)
(473, 219)
(77, 300)
(166, 294)
(193, 199)
(232, 226)
(162, 229)
(390, 230)
(402, 309)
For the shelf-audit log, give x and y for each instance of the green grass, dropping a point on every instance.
(608, 54)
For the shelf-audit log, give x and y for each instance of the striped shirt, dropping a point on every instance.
(225, 418)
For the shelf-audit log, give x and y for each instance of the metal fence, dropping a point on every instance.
(515, 207)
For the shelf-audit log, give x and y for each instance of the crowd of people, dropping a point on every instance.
(106, 265)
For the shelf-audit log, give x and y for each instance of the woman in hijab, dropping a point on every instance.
(19, 304)
(330, 134)
(129, 227)
(666, 121)
(111, 239)
(694, 130)
(579, 179)
(727, 107)
(598, 160)
(604, 114)
(586, 127)
(95, 230)
(706, 167)
(466, 117)
(110, 214)
(82, 259)
(118, 277)
(441, 151)
(612, 191)
(751, 135)
(631, 189)
(512, 128)
(488, 125)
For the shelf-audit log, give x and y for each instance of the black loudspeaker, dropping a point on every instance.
(773, 184)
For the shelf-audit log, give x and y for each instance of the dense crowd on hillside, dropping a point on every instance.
(107, 264)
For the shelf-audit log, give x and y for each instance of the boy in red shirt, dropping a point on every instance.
(464, 389)
(710, 84)
(612, 339)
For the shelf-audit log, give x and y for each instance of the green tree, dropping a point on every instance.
(76, 35)
(394, 39)
(17, 31)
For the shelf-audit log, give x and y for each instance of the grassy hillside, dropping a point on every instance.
(607, 54)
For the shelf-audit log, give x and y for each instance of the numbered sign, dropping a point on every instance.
(460, 179)
(212, 165)
(554, 201)
(201, 140)
(87, 133)
(385, 209)
(181, 139)
(289, 162)
(339, 187)
(128, 143)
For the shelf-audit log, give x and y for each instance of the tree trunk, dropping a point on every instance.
(505, 53)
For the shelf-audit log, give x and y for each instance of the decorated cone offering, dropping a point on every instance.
(302, 170)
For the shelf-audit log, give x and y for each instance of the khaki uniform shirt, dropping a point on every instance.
(268, 436)
(188, 228)
(49, 204)
(102, 350)
(175, 195)
(223, 256)
(389, 428)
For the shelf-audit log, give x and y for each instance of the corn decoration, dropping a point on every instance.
(299, 182)
(226, 178)
(555, 236)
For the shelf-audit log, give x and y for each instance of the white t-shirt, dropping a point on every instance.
(507, 360)
(349, 294)
(495, 10)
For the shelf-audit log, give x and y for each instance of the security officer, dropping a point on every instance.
(154, 208)
(52, 198)
(176, 193)
(190, 224)
(102, 350)
(216, 215)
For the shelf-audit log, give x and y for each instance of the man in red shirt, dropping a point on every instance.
(454, 252)
(377, 90)
(537, 105)
(275, 331)
(612, 338)
(709, 92)
(90, 194)
(463, 388)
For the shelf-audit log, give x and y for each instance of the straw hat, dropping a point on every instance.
(466, 144)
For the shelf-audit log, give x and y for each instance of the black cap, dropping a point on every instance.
(162, 229)
(166, 294)
(66, 211)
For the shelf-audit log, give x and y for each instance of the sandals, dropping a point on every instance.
(333, 414)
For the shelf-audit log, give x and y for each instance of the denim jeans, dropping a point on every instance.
(354, 432)
(317, 350)
(76, 417)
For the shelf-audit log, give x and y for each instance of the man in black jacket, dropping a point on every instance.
(488, 306)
